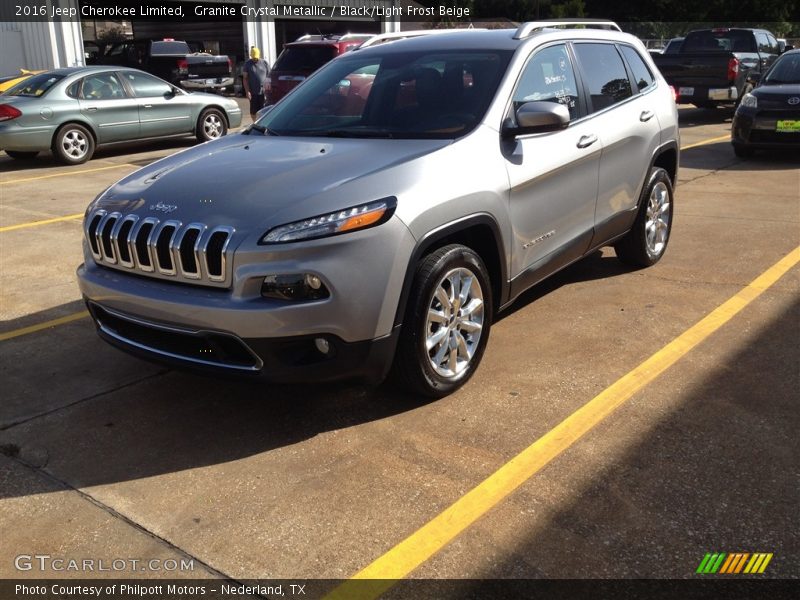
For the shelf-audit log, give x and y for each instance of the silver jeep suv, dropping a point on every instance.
(381, 215)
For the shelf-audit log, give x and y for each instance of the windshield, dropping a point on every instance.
(404, 95)
(35, 86)
(785, 70)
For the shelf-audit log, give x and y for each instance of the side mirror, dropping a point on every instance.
(264, 111)
(538, 117)
(170, 93)
(754, 78)
(781, 47)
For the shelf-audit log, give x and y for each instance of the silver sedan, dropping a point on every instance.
(72, 111)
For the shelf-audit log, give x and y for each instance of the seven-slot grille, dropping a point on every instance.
(193, 252)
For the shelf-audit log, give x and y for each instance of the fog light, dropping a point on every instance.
(296, 286)
(322, 345)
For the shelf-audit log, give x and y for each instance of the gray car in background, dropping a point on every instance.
(72, 111)
(381, 215)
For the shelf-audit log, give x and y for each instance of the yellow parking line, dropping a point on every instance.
(409, 554)
(44, 222)
(709, 141)
(38, 327)
(65, 173)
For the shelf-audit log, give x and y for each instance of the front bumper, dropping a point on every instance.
(207, 84)
(282, 360)
(758, 129)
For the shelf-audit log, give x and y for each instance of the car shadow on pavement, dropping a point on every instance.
(696, 117)
(676, 472)
(712, 157)
(596, 265)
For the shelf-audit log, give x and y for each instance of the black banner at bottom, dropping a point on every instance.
(418, 589)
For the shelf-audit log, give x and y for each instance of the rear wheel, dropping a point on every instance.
(17, 155)
(646, 242)
(73, 144)
(447, 322)
(211, 125)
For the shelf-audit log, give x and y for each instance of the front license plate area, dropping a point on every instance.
(787, 126)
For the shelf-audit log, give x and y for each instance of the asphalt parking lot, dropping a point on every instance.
(107, 457)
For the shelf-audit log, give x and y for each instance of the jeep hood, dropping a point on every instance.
(247, 180)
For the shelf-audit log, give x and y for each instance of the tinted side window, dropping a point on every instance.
(641, 74)
(763, 43)
(549, 77)
(104, 86)
(773, 45)
(604, 74)
(146, 86)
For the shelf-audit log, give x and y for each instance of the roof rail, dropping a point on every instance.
(527, 29)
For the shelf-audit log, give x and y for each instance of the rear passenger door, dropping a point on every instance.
(623, 111)
(552, 175)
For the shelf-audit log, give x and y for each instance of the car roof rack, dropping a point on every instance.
(527, 29)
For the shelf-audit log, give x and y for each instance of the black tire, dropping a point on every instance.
(414, 364)
(211, 125)
(17, 155)
(743, 151)
(637, 248)
(73, 144)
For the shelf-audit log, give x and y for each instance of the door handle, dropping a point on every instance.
(646, 116)
(587, 140)
(91, 108)
(148, 106)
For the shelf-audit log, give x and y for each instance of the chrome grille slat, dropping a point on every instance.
(178, 250)
(107, 225)
(126, 243)
(223, 249)
(160, 246)
(195, 252)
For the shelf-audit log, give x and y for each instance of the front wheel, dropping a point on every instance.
(743, 151)
(211, 125)
(447, 322)
(646, 242)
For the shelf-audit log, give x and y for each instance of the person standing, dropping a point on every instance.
(254, 80)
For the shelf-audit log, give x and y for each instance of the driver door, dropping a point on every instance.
(553, 176)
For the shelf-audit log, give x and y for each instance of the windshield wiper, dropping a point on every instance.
(356, 133)
(260, 129)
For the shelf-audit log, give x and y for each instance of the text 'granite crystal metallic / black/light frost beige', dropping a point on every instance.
(377, 218)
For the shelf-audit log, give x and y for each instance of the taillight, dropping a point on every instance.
(230, 65)
(674, 93)
(733, 68)
(268, 84)
(8, 112)
(183, 66)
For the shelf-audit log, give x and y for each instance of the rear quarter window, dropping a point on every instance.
(641, 74)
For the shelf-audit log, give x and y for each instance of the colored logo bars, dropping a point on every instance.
(734, 563)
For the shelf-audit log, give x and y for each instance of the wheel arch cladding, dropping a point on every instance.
(480, 233)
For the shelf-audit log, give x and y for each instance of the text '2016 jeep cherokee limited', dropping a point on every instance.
(383, 212)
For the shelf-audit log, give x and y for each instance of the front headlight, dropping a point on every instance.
(342, 221)
(749, 101)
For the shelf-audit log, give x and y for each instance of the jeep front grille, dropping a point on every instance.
(169, 249)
